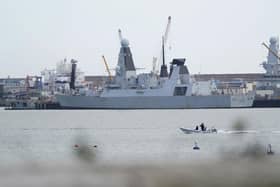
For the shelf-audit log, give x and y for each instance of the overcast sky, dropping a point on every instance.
(215, 36)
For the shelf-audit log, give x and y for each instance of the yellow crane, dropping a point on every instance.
(107, 68)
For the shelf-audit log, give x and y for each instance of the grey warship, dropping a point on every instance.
(168, 90)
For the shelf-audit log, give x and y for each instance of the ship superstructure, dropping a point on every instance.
(272, 65)
(269, 85)
(59, 79)
(171, 90)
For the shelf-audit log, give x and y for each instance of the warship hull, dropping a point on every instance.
(266, 103)
(154, 102)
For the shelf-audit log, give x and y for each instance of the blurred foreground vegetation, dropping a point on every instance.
(233, 173)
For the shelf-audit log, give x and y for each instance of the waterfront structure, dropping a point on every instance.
(12, 85)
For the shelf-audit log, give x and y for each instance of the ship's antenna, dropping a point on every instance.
(120, 35)
(163, 55)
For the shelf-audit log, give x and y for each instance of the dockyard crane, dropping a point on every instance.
(154, 64)
(270, 50)
(167, 30)
(107, 66)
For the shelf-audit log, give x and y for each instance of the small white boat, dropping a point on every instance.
(191, 131)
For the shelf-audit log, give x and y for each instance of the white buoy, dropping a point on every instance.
(195, 146)
(269, 150)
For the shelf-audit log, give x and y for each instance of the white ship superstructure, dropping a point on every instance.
(58, 80)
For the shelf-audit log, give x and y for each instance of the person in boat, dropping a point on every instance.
(202, 126)
(196, 128)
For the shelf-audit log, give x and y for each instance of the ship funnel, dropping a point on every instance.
(163, 71)
(73, 74)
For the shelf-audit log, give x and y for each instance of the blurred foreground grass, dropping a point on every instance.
(232, 173)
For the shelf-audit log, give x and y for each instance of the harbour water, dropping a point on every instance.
(129, 136)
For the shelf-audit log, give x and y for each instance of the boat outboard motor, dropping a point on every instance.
(73, 74)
